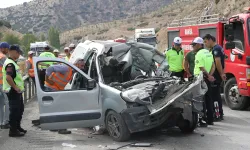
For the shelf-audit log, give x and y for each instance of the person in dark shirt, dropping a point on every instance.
(219, 58)
(189, 63)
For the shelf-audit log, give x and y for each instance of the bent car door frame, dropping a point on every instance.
(69, 108)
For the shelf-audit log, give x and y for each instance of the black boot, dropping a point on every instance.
(22, 130)
(15, 133)
(6, 126)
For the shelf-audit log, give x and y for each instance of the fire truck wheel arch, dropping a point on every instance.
(232, 97)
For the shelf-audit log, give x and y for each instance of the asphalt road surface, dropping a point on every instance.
(231, 134)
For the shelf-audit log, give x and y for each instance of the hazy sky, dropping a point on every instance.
(8, 3)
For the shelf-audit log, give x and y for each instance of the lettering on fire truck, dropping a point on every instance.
(188, 31)
(187, 47)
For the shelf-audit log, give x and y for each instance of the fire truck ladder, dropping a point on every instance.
(197, 20)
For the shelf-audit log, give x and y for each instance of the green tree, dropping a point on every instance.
(53, 37)
(26, 40)
(1, 36)
(11, 39)
(42, 37)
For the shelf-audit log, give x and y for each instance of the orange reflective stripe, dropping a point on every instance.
(60, 80)
(31, 71)
(1, 67)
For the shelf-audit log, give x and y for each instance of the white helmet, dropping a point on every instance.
(72, 45)
(177, 40)
(56, 51)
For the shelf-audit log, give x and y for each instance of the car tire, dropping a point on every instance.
(187, 126)
(232, 97)
(116, 127)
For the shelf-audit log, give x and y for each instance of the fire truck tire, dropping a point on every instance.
(232, 97)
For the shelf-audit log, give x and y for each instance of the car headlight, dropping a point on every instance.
(136, 95)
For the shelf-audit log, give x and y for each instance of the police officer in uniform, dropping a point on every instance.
(45, 65)
(13, 85)
(175, 56)
(204, 63)
(219, 58)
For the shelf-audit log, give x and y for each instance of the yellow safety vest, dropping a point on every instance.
(18, 79)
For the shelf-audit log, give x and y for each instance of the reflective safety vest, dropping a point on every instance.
(47, 54)
(1, 67)
(60, 80)
(31, 71)
(18, 79)
(67, 58)
(175, 60)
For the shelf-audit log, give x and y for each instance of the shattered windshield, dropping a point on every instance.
(151, 40)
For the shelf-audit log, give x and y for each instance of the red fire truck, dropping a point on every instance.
(234, 35)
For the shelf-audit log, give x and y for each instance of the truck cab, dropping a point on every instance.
(38, 47)
(234, 35)
(147, 36)
(237, 69)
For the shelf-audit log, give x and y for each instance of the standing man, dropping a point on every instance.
(189, 63)
(56, 53)
(4, 103)
(219, 58)
(175, 57)
(67, 52)
(45, 65)
(72, 48)
(13, 85)
(204, 63)
(30, 66)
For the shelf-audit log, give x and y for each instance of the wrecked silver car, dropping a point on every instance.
(120, 89)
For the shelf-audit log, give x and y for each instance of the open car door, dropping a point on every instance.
(74, 107)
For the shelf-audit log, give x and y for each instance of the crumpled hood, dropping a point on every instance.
(159, 93)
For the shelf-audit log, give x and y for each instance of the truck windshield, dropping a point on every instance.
(151, 40)
(239, 36)
(39, 50)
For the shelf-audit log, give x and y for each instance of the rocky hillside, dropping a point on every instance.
(159, 20)
(4, 30)
(38, 15)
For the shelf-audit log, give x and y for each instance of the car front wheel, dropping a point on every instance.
(116, 127)
(188, 126)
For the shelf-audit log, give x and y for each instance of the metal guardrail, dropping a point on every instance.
(30, 90)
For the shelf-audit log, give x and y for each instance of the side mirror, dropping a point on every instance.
(229, 32)
(230, 45)
(91, 84)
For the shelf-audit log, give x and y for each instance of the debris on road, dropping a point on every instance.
(100, 146)
(134, 145)
(141, 145)
(68, 145)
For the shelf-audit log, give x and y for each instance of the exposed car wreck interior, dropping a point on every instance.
(129, 68)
